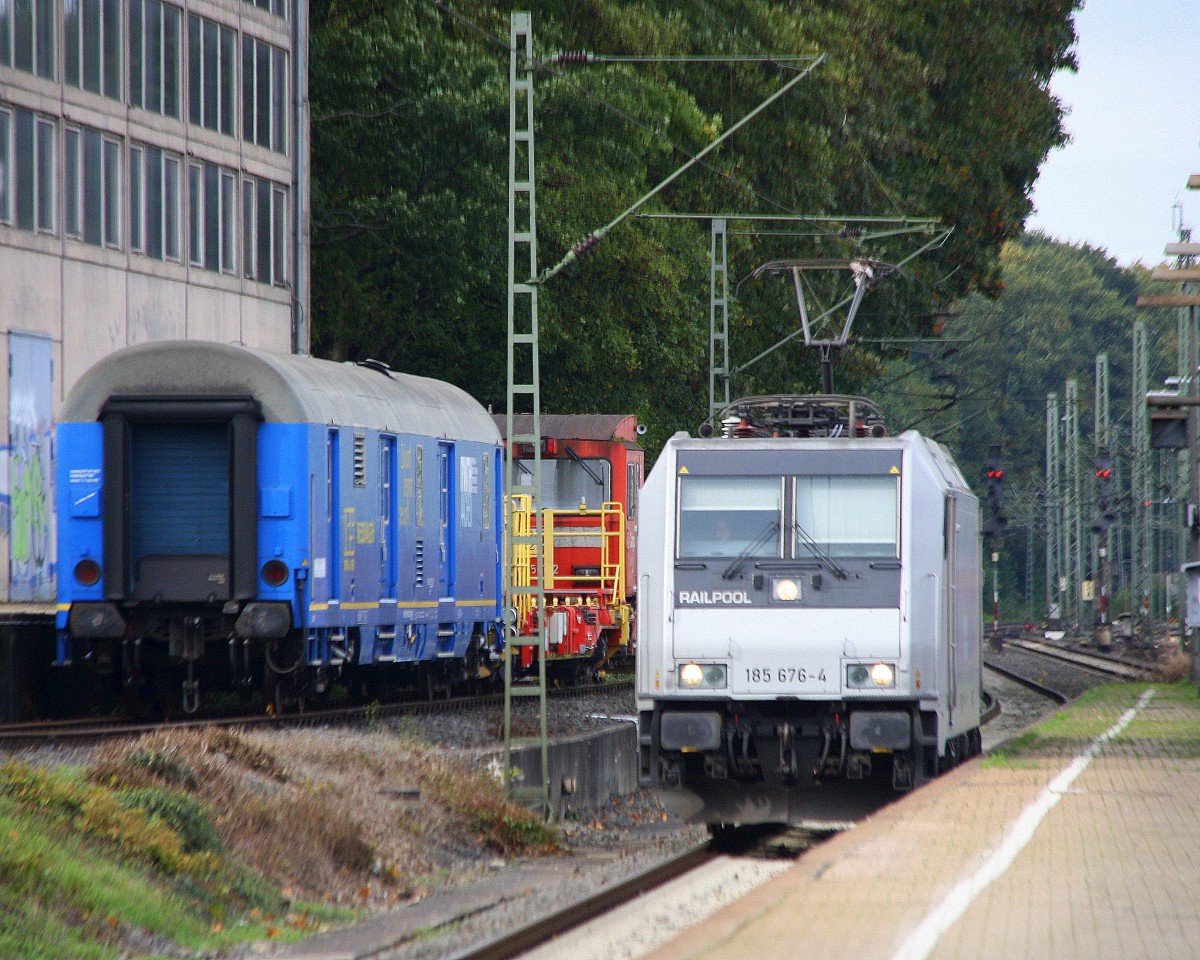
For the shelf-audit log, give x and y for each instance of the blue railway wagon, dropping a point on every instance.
(247, 517)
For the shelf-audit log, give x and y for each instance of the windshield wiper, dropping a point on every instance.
(590, 472)
(740, 560)
(830, 564)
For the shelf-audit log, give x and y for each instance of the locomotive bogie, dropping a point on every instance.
(809, 610)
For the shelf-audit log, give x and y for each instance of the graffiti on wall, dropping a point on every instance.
(30, 469)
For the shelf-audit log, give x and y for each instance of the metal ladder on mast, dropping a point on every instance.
(523, 390)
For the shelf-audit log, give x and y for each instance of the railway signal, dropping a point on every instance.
(1105, 514)
(994, 474)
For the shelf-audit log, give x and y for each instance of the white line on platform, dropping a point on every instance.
(922, 941)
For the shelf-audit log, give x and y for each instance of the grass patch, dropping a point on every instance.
(1171, 718)
(505, 827)
(92, 871)
(66, 893)
(193, 842)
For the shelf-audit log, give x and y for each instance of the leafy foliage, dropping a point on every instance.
(987, 378)
(927, 108)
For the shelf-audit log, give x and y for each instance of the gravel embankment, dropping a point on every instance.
(478, 895)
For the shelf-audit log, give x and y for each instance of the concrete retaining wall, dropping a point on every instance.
(585, 771)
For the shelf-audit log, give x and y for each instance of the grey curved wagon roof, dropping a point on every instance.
(575, 426)
(290, 388)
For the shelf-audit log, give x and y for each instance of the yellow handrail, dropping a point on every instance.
(524, 555)
(608, 529)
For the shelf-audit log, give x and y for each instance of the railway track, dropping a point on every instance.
(1059, 671)
(1111, 666)
(85, 730)
(576, 914)
(742, 861)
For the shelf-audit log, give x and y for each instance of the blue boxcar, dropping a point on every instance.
(249, 518)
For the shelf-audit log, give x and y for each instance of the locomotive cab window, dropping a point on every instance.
(847, 516)
(730, 516)
(568, 483)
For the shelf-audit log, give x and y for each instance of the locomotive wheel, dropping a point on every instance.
(280, 692)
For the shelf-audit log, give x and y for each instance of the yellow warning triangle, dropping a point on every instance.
(683, 469)
(894, 470)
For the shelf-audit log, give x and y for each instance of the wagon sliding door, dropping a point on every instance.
(180, 503)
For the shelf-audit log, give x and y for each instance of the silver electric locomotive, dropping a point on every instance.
(808, 610)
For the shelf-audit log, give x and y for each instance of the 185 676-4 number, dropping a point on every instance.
(784, 675)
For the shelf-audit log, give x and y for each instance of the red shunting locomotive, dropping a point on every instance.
(592, 470)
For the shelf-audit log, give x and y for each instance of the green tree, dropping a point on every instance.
(928, 108)
(986, 379)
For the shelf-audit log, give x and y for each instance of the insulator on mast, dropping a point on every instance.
(584, 246)
(572, 58)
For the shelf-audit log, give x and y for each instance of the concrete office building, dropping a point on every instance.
(153, 185)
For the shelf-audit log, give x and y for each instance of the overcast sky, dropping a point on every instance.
(1135, 126)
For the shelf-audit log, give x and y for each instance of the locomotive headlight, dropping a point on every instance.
(862, 676)
(704, 676)
(882, 675)
(785, 589)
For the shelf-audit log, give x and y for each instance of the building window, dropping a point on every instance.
(154, 31)
(92, 187)
(212, 55)
(72, 177)
(27, 36)
(154, 202)
(211, 217)
(264, 94)
(112, 191)
(137, 208)
(277, 7)
(264, 231)
(28, 163)
(46, 220)
(228, 220)
(6, 165)
(92, 45)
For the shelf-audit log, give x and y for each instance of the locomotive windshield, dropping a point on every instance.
(847, 516)
(728, 516)
(827, 516)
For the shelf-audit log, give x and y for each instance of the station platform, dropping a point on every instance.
(1079, 840)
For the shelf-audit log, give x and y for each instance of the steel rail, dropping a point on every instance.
(1112, 666)
(587, 908)
(39, 732)
(1056, 695)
